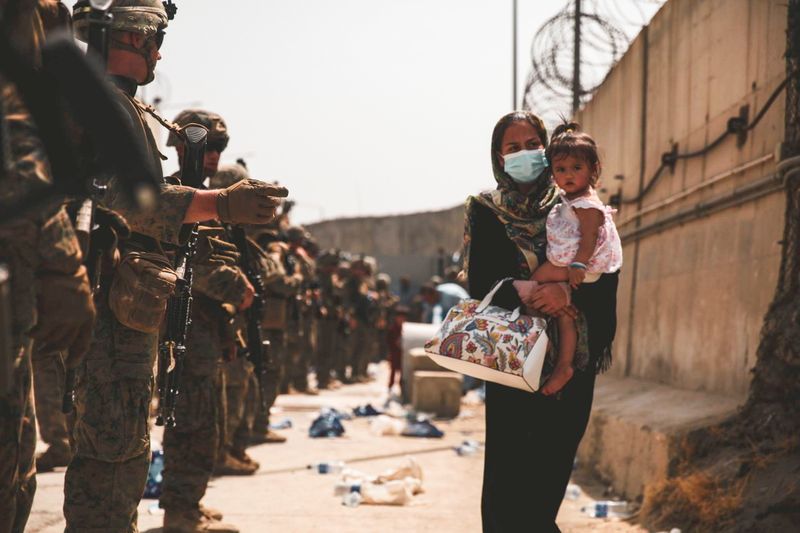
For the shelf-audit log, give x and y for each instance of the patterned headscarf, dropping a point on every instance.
(523, 216)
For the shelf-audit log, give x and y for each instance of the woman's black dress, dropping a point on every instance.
(531, 440)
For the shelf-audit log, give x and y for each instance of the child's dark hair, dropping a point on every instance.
(569, 140)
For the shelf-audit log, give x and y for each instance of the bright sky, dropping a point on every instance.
(359, 107)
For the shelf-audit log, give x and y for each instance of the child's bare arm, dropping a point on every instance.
(589, 221)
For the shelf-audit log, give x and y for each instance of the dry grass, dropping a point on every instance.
(697, 500)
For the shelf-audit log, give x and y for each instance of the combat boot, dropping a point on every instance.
(210, 512)
(193, 521)
(267, 437)
(243, 456)
(228, 465)
(52, 458)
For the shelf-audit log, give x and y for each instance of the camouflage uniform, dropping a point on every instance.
(344, 339)
(328, 326)
(241, 393)
(106, 478)
(190, 448)
(300, 331)
(31, 245)
(283, 287)
(49, 374)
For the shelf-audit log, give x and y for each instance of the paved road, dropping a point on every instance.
(284, 497)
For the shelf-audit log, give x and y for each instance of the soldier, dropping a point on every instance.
(280, 293)
(107, 475)
(344, 338)
(362, 305)
(50, 298)
(329, 304)
(190, 448)
(49, 374)
(301, 319)
(234, 386)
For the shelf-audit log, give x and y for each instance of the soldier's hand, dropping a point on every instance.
(65, 314)
(249, 294)
(249, 202)
(216, 251)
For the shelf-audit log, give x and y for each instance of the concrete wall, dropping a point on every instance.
(403, 244)
(693, 295)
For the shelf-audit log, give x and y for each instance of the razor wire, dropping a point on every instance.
(607, 29)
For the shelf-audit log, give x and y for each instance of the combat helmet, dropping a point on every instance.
(295, 234)
(227, 175)
(217, 129)
(142, 16)
(383, 281)
(148, 17)
(328, 258)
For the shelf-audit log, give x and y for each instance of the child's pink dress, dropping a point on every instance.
(564, 236)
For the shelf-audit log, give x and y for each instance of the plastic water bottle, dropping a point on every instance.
(352, 499)
(468, 447)
(573, 492)
(154, 475)
(342, 488)
(607, 508)
(332, 467)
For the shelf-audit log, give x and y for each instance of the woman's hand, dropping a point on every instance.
(551, 299)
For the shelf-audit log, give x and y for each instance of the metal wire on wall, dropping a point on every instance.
(606, 28)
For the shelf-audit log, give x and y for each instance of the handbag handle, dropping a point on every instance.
(487, 300)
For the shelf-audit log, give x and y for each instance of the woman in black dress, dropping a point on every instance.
(531, 440)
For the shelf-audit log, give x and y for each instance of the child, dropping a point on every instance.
(582, 240)
(394, 334)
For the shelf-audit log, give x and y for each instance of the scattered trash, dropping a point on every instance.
(422, 428)
(365, 410)
(468, 447)
(410, 469)
(608, 508)
(394, 408)
(353, 498)
(472, 398)
(395, 486)
(331, 467)
(155, 510)
(573, 492)
(383, 425)
(152, 489)
(285, 423)
(341, 415)
(327, 424)
(344, 487)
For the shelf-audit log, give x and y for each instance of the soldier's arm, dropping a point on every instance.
(165, 222)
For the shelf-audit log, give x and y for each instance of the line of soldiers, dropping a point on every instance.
(99, 329)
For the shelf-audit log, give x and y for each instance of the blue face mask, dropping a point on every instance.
(525, 166)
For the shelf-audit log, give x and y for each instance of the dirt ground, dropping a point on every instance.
(284, 496)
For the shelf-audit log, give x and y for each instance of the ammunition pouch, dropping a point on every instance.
(275, 313)
(143, 282)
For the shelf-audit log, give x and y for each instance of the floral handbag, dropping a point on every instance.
(492, 343)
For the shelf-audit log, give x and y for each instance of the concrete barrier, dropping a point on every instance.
(636, 428)
(415, 335)
(437, 392)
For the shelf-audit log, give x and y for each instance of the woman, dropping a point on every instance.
(531, 440)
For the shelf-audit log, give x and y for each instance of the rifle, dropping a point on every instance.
(99, 26)
(257, 347)
(172, 348)
(6, 347)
